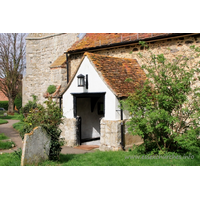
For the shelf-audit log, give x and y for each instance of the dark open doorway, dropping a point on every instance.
(88, 109)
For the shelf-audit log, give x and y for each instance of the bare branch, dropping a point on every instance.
(12, 63)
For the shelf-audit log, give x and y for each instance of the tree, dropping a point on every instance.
(12, 63)
(165, 111)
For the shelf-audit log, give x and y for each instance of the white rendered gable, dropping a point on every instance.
(95, 85)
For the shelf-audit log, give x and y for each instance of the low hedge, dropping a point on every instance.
(4, 104)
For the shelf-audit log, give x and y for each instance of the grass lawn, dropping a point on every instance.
(109, 158)
(15, 116)
(118, 158)
(9, 159)
(3, 136)
(19, 126)
(3, 121)
(5, 144)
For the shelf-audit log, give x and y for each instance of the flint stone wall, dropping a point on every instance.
(169, 47)
(36, 147)
(42, 49)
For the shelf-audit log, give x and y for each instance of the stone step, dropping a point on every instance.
(87, 147)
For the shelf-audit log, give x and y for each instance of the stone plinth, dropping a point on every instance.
(69, 131)
(110, 135)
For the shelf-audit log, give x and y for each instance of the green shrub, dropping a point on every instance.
(49, 117)
(18, 102)
(4, 104)
(51, 89)
(30, 105)
(19, 126)
(165, 109)
(188, 142)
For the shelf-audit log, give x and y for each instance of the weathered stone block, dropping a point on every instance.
(36, 147)
(110, 135)
(69, 131)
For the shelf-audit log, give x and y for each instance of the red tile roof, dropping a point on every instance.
(60, 61)
(114, 71)
(92, 40)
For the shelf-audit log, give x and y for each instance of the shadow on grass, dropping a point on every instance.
(99, 158)
(67, 157)
(64, 159)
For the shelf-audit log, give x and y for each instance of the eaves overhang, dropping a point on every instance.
(125, 43)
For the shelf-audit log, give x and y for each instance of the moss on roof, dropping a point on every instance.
(99, 39)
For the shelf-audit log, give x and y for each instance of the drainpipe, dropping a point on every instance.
(60, 103)
(67, 63)
(122, 130)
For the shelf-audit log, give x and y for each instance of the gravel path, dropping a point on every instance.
(9, 131)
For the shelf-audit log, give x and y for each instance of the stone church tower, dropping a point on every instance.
(42, 49)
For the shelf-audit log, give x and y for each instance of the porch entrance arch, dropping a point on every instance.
(89, 108)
